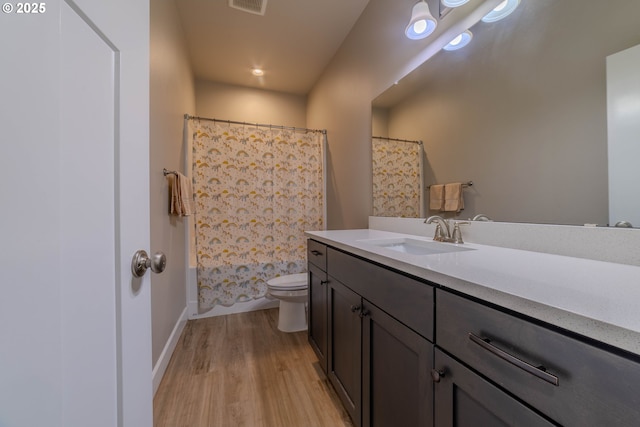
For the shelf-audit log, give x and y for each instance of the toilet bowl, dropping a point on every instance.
(292, 291)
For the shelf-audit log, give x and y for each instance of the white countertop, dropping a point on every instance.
(600, 300)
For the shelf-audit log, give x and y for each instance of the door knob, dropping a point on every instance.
(141, 261)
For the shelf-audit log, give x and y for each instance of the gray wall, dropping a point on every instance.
(380, 122)
(229, 102)
(521, 111)
(375, 54)
(171, 96)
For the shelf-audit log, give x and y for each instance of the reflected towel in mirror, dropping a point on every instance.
(453, 197)
(436, 197)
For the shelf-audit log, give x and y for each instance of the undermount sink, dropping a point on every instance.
(411, 246)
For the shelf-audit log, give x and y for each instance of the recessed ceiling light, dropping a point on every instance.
(501, 11)
(257, 72)
(460, 41)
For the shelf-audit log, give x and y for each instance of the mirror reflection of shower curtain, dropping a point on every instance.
(397, 178)
(257, 189)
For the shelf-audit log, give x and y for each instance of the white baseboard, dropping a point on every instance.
(163, 361)
(239, 307)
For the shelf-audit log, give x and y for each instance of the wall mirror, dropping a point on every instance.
(521, 111)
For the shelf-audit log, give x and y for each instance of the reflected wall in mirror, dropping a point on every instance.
(521, 111)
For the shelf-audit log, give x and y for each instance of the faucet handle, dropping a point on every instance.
(456, 236)
(438, 235)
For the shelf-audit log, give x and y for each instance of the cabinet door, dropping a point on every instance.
(345, 351)
(464, 399)
(317, 309)
(397, 388)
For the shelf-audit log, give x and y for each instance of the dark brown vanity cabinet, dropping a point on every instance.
(567, 380)
(317, 303)
(400, 352)
(378, 364)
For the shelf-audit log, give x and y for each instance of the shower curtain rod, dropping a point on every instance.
(397, 139)
(188, 117)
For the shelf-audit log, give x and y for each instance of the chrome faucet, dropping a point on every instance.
(481, 217)
(442, 234)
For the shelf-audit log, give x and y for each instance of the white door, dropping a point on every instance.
(75, 334)
(623, 111)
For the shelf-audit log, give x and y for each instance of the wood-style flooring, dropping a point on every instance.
(240, 370)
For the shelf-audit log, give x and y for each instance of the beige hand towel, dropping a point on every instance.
(436, 197)
(174, 206)
(453, 200)
(181, 196)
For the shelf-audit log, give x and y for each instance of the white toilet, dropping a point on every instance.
(291, 290)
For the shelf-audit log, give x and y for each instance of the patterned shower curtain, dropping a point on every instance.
(256, 189)
(397, 176)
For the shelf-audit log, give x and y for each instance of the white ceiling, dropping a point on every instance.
(293, 42)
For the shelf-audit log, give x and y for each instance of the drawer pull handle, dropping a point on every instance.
(355, 308)
(536, 371)
(316, 253)
(323, 282)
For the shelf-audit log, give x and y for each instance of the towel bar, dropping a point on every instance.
(465, 184)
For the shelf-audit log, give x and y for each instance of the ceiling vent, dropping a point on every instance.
(257, 7)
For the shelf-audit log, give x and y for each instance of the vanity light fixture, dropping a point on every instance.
(422, 23)
(501, 11)
(460, 41)
(454, 3)
(257, 72)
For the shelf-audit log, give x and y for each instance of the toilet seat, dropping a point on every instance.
(290, 282)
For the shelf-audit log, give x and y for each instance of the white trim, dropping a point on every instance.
(192, 292)
(163, 361)
(239, 307)
(325, 149)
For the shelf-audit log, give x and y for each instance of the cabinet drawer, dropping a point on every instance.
(406, 299)
(594, 386)
(317, 254)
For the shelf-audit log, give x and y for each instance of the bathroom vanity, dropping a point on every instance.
(472, 335)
